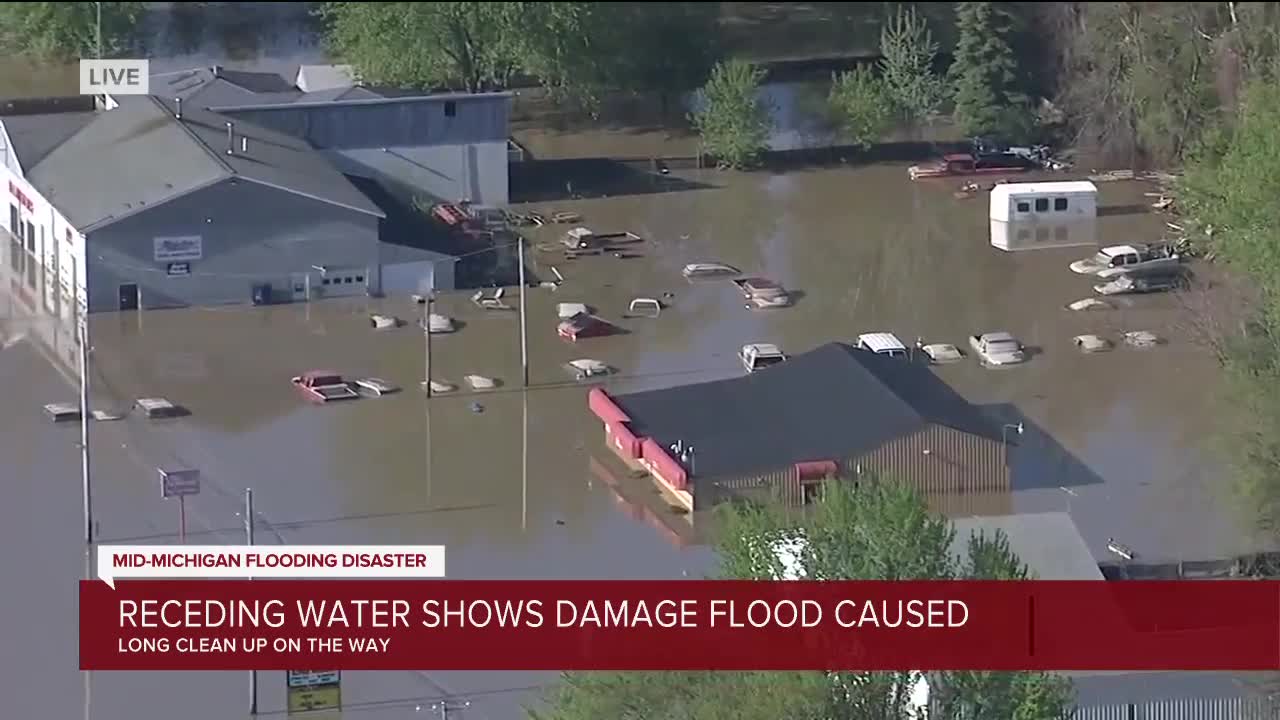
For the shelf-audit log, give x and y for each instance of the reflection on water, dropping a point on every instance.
(1027, 235)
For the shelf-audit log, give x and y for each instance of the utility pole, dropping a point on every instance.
(248, 536)
(84, 428)
(444, 706)
(524, 465)
(426, 334)
(98, 29)
(524, 338)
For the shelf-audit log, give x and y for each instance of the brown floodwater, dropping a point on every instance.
(1116, 439)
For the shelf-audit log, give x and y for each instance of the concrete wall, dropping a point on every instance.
(448, 173)
(249, 234)
(57, 246)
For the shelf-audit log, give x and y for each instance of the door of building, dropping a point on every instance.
(31, 238)
(129, 296)
(301, 286)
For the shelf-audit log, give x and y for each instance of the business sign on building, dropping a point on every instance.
(179, 268)
(115, 77)
(178, 249)
(314, 690)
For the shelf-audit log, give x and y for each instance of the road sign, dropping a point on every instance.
(179, 483)
(314, 690)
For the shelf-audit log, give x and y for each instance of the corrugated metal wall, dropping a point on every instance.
(962, 474)
(1259, 708)
(404, 123)
(939, 460)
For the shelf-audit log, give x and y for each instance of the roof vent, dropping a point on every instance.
(178, 112)
(231, 138)
(244, 144)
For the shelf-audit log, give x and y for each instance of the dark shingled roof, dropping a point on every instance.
(832, 403)
(35, 136)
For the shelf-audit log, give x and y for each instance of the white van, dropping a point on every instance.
(882, 343)
(758, 356)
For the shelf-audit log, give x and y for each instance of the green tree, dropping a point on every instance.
(1232, 189)
(861, 103)
(989, 87)
(870, 530)
(733, 120)
(666, 48)
(473, 46)
(908, 53)
(64, 31)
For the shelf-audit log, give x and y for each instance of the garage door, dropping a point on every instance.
(343, 283)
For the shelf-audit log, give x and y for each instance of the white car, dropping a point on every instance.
(1092, 343)
(997, 348)
(587, 368)
(757, 356)
(882, 343)
(940, 353)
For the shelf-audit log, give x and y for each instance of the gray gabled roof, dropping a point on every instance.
(33, 137)
(1048, 543)
(210, 86)
(153, 158)
(831, 403)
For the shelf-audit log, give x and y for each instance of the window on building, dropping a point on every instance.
(1024, 207)
(450, 108)
(359, 278)
(1042, 234)
(1042, 204)
(324, 281)
(1024, 235)
(1060, 233)
(347, 279)
(1059, 204)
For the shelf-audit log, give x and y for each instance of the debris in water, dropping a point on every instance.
(1141, 339)
(1089, 304)
(559, 522)
(62, 412)
(477, 407)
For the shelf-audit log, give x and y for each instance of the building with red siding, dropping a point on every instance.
(835, 411)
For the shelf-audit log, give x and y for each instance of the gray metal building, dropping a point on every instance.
(446, 148)
(146, 203)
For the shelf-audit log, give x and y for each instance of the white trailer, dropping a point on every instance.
(1075, 200)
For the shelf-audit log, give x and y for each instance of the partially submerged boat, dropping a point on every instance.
(698, 271)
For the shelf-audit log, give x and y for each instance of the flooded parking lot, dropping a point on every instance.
(1116, 439)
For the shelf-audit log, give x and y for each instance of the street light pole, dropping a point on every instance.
(98, 29)
(84, 428)
(524, 337)
(426, 333)
(248, 536)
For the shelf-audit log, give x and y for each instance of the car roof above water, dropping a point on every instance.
(881, 342)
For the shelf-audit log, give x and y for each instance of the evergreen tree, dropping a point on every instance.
(989, 88)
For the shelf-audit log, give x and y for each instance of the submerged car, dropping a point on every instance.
(940, 353)
(696, 271)
(998, 348)
(1133, 283)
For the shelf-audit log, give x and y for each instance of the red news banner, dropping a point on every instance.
(677, 625)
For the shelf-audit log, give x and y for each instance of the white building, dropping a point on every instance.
(1047, 201)
(1042, 235)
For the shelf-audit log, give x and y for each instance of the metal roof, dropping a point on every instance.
(1113, 250)
(158, 158)
(33, 137)
(1044, 188)
(831, 403)
(1048, 543)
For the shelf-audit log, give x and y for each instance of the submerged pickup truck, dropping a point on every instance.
(324, 386)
